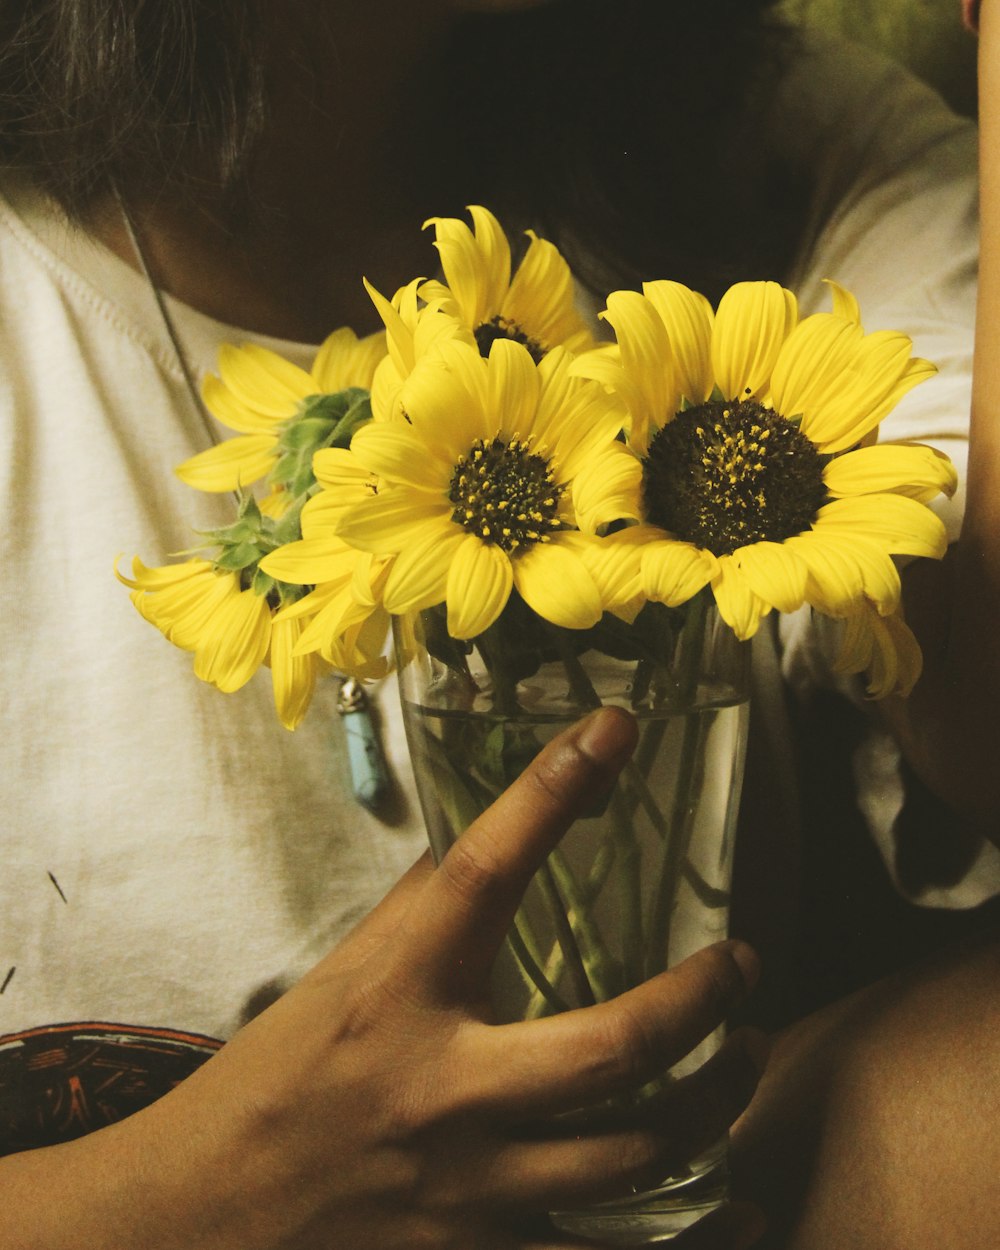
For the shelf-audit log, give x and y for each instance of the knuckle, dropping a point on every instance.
(473, 869)
(623, 1052)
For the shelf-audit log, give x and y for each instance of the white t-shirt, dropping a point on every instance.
(171, 854)
(895, 221)
(172, 858)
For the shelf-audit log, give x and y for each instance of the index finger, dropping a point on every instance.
(451, 935)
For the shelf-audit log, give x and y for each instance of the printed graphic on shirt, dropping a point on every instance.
(65, 1080)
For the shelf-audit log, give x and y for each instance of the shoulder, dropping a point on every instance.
(894, 177)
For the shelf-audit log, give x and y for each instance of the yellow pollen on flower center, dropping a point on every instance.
(505, 493)
(725, 475)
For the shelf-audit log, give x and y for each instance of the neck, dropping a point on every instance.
(339, 189)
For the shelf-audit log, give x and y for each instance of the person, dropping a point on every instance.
(178, 867)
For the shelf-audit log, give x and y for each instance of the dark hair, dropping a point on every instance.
(625, 130)
(132, 93)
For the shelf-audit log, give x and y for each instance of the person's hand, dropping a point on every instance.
(376, 1105)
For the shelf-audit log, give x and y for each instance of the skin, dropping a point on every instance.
(376, 1104)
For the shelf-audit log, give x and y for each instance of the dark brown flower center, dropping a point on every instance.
(500, 328)
(505, 494)
(723, 475)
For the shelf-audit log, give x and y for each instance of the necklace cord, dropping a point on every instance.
(168, 322)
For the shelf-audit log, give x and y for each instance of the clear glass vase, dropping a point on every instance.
(633, 888)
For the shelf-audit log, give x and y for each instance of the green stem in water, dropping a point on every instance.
(525, 951)
(459, 806)
(565, 937)
(690, 647)
(628, 857)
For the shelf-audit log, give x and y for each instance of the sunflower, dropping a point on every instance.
(754, 435)
(486, 487)
(261, 394)
(232, 631)
(536, 308)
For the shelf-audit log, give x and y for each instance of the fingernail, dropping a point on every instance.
(608, 736)
(745, 958)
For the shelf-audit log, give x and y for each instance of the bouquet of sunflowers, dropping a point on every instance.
(486, 458)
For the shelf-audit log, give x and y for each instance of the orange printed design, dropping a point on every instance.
(62, 1081)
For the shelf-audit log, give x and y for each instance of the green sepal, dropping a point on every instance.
(322, 421)
(234, 559)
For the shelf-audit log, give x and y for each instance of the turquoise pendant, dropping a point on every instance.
(365, 757)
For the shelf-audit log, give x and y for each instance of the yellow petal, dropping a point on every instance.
(234, 645)
(310, 560)
(395, 452)
(293, 677)
(476, 266)
(844, 571)
(399, 336)
(752, 322)
(324, 614)
(584, 428)
(236, 463)
(338, 469)
(446, 399)
(844, 303)
(391, 520)
(555, 583)
(225, 407)
(673, 572)
(541, 300)
(774, 573)
(263, 380)
(653, 396)
(608, 489)
(814, 366)
(513, 388)
(148, 577)
(479, 584)
(739, 607)
(881, 373)
(918, 472)
(898, 525)
(344, 360)
(419, 576)
(615, 564)
(885, 647)
(688, 318)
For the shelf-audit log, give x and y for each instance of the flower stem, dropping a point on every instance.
(629, 859)
(565, 937)
(526, 954)
(690, 647)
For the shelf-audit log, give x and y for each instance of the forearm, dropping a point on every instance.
(160, 1180)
